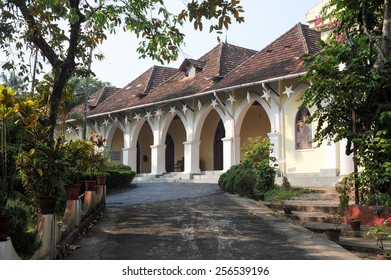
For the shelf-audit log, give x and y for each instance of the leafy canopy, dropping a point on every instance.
(350, 85)
(63, 32)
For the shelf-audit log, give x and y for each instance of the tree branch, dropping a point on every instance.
(35, 35)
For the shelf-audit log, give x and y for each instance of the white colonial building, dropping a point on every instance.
(190, 123)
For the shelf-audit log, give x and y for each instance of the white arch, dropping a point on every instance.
(245, 105)
(201, 117)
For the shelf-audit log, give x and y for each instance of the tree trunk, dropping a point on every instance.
(385, 43)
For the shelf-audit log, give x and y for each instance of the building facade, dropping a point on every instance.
(195, 120)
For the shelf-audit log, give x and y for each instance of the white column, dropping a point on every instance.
(228, 152)
(158, 159)
(129, 157)
(192, 156)
(274, 138)
(345, 162)
(236, 147)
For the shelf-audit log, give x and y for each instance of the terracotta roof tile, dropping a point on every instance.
(280, 58)
(218, 62)
(94, 99)
(224, 66)
(136, 90)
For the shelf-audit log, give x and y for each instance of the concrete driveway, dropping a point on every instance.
(181, 221)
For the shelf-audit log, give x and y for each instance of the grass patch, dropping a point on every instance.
(280, 193)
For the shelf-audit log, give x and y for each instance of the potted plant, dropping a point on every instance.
(100, 158)
(41, 166)
(335, 218)
(78, 157)
(7, 111)
(344, 187)
(382, 232)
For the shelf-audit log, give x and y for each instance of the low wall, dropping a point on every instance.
(369, 215)
(77, 214)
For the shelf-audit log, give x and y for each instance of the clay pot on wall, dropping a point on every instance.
(90, 185)
(5, 222)
(47, 204)
(333, 234)
(72, 191)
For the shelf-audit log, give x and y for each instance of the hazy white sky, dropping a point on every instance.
(265, 21)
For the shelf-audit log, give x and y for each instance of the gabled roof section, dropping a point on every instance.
(198, 64)
(282, 57)
(101, 95)
(217, 63)
(95, 99)
(136, 90)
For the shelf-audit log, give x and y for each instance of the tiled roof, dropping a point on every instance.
(136, 90)
(281, 58)
(94, 99)
(224, 66)
(217, 63)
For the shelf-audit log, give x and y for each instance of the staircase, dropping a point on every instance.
(206, 177)
(309, 210)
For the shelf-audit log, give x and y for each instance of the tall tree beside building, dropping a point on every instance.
(350, 85)
(64, 31)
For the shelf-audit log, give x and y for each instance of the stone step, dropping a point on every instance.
(307, 207)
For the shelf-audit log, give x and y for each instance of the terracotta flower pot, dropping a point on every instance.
(5, 223)
(332, 234)
(101, 180)
(355, 224)
(47, 204)
(90, 185)
(72, 191)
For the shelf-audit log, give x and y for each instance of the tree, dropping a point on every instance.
(350, 88)
(64, 31)
(14, 82)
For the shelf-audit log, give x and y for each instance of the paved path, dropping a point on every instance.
(192, 221)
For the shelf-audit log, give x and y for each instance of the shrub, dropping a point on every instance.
(119, 175)
(255, 174)
(266, 175)
(239, 179)
(24, 241)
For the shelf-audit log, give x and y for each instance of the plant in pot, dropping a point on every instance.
(335, 218)
(8, 110)
(41, 164)
(100, 159)
(382, 232)
(78, 159)
(344, 187)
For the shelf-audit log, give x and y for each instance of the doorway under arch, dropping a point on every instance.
(211, 147)
(255, 123)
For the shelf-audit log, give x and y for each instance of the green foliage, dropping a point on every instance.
(345, 186)
(120, 175)
(79, 157)
(64, 33)
(279, 193)
(354, 102)
(285, 183)
(41, 165)
(239, 179)
(24, 241)
(254, 174)
(257, 157)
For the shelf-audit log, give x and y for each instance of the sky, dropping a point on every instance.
(265, 21)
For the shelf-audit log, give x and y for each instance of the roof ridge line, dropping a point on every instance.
(301, 31)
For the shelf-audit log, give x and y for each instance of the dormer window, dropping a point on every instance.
(191, 67)
(191, 71)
